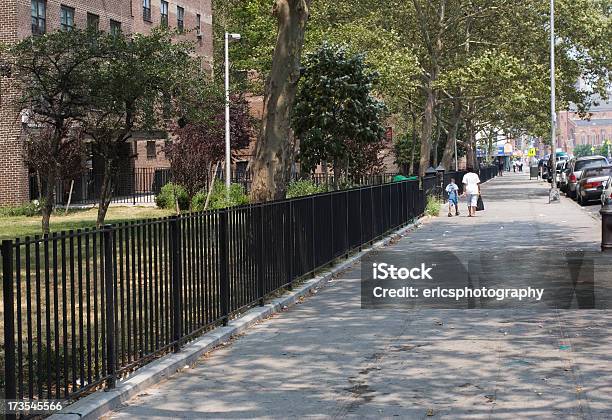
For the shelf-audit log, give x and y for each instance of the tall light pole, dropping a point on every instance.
(228, 151)
(554, 193)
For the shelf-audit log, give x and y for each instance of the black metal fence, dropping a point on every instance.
(83, 308)
(136, 186)
(140, 186)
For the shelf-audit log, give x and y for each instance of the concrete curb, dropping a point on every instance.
(100, 403)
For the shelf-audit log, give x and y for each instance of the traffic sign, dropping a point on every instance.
(532, 152)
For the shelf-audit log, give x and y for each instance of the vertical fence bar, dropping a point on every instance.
(223, 267)
(175, 251)
(109, 291)
(10, 389)
(260, 254)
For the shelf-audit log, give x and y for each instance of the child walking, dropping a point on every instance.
(453, 196)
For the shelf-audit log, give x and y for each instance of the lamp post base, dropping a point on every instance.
(554, 196)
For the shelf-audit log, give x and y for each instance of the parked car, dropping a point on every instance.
(591, 183)
(562, 175)
(543, 168)
(575, 168)
(606, 195)
(562, 157)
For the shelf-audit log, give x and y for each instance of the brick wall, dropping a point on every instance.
(15, 24)
(13, 174)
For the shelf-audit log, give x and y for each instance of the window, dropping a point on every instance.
(164, 13)
(115, 27)
(151, 149)
(198, 25)
(146, 10)
(39, 17)
(93, 21)
(180, 18)
(66, 18)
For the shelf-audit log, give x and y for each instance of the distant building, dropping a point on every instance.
(573, 131)
(22, 18)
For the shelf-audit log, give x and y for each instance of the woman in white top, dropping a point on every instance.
(471, 182)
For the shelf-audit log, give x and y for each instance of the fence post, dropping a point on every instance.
(10, 389)
(177, 310)
(360, 220)
(109, 291)
(312, 230)
(260, 254)
(291, 245)
(223, 267)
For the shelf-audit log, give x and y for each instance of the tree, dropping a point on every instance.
(133, 89)
(200, 141)
(273, 151)
(336, 118)
(52, 74)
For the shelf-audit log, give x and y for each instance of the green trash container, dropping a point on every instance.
(534, 172)
(400, 178)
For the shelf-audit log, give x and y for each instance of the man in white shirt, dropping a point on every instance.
(471, 187)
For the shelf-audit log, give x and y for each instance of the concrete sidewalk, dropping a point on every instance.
(329, 358)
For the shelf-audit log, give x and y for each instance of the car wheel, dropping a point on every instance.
(581, 201)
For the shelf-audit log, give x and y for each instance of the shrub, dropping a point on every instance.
(304, 187)
(433, 206)
(218, 198)
(166, 197)
(29, 209)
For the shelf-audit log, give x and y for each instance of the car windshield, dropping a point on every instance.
(584, 164)
(597, 172)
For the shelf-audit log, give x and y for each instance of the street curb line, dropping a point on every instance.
(101, 402)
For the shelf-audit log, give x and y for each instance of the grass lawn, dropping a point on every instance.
(20, 226)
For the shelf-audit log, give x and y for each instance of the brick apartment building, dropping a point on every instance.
(22, 18)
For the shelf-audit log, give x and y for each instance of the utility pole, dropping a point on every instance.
(228, 152)
(554, 196)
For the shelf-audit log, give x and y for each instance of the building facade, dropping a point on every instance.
(573, 130)
(22, 18)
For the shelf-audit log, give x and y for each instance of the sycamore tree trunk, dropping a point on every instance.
(449, 151)
(430, 105)
(471, 145)
(414, 142)
(271, 167)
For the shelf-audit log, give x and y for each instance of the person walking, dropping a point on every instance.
(500, 167)
(471, 188)
(453, 197)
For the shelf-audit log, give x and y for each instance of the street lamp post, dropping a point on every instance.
(554, 193)
(228, 152)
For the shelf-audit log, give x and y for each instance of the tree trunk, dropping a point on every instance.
(471, 146)
(106, 194)
(48, 201)
(414, 142)
(336, 174)
(449, 150)
(427, 129)
(438, 136)
(273, 149)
